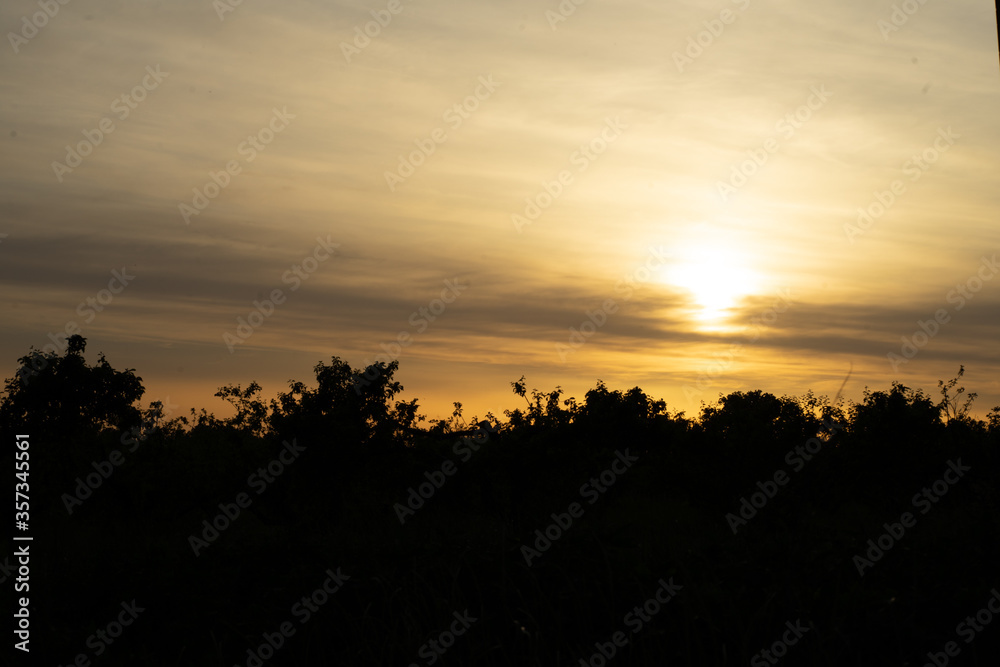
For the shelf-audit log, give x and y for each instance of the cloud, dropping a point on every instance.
(654, 185)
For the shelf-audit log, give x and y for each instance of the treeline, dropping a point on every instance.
(334, 525)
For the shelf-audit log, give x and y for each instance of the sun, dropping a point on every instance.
(716, 278)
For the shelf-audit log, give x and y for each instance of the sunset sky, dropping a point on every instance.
(678, 182)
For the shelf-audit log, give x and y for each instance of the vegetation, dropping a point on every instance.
(121, 497)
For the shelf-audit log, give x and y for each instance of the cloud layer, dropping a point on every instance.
(538, 157)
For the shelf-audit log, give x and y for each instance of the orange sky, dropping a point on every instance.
(656, 194)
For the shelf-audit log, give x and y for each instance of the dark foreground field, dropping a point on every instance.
(332, 527)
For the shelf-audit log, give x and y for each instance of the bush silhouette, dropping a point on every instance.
(461, 547)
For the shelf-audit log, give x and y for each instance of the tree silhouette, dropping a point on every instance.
(472, 503)
(66, 396)
(359, 413)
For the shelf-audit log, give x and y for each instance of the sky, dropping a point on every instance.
(690, 197)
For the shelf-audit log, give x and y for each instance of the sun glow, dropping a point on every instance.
(715, 278)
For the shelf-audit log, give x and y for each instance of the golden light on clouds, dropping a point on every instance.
(715, 276)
